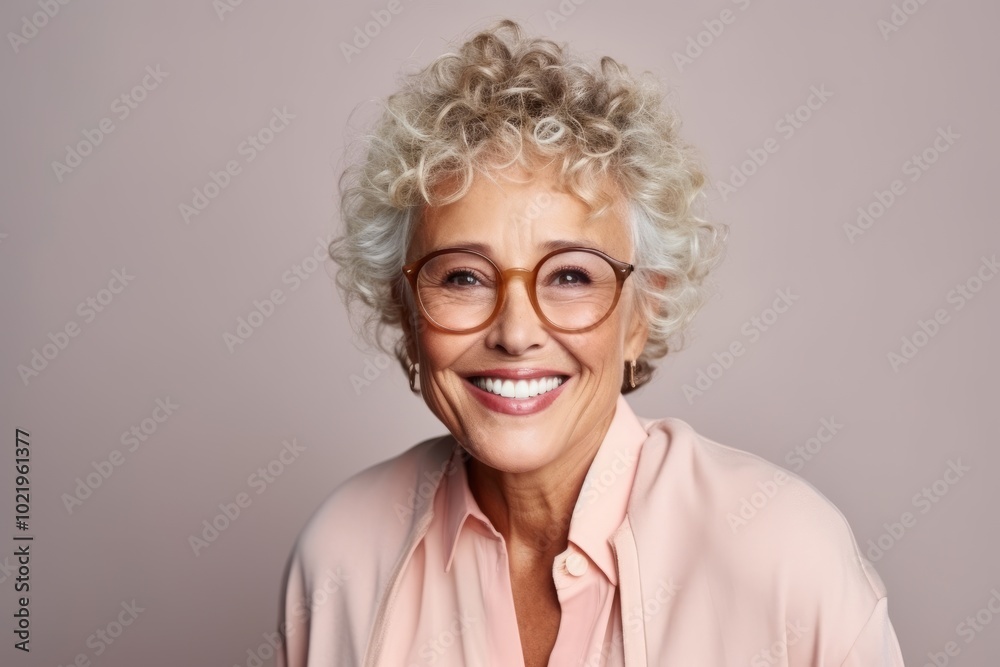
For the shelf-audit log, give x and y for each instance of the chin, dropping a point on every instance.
(511, 454)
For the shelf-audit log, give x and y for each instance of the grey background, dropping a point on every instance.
(300, 375)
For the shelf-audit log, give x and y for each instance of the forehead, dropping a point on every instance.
(518, 215)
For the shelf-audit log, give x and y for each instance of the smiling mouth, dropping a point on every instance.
(518, 388)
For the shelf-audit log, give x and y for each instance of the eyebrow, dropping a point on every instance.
(548, 246)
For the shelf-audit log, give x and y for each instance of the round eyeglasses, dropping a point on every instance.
(571, 289)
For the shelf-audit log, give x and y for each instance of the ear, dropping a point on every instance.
(409, 338)
(659, 281)
(638, 328)
(637, 334)
(408, 325)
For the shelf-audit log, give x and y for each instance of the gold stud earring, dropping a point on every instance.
(630, 365)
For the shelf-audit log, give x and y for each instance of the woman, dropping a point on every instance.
(526, 222)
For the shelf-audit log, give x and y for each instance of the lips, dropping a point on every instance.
(519, 391)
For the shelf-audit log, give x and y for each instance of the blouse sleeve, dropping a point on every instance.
(876, 645)
(293, 627)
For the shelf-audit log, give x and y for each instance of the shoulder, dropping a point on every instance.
(376, 507)
(345, 554)
(348, 548)
(755, 519)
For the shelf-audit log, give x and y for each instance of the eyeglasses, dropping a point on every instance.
(571, 289)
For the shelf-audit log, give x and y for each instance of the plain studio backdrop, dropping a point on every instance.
(177, 354)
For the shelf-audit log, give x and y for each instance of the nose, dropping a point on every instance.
(518, 326)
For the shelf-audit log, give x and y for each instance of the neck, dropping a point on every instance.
(532, 510)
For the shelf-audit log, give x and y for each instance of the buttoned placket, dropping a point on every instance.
(582, 590)
(577, 581)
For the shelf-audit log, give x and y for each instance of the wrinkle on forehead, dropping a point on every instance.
(518, 213)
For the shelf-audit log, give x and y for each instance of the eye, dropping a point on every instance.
(569, 277)
(462, 278)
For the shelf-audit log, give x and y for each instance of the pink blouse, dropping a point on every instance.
(455, 605)
(665, 564)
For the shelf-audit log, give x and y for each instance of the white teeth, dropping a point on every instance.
(520, 388)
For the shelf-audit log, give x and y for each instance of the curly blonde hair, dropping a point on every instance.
(503, 98)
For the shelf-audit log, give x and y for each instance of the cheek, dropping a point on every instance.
(440, 352)
(613, 363)
(607, 341)
(439, 385)
(599, 355)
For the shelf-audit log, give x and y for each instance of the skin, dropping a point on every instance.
(526, 471)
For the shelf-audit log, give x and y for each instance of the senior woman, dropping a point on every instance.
(526, 222)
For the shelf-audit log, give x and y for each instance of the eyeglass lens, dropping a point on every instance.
(459, 290)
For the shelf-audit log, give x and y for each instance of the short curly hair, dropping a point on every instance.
(503, 98)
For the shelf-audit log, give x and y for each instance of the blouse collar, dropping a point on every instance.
(600, 508)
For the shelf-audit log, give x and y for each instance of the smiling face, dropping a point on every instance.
(517, 218)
